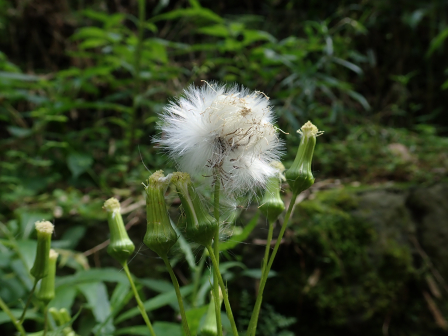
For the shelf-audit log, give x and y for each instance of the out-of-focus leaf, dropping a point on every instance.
(30, 315)
(78, 163)
(235, 240)
(64, 297)
(156, 285)
(360, 98)
(154, 303)
(256, 273)
(96, 295)
(194, 318)
(92, 275)
(185, 247)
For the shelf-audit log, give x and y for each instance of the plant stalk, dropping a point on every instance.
(251, 330)
(14, 321)
(179, 296)
(216, 249)
(223, 290)
(141, 307)
(22, 317)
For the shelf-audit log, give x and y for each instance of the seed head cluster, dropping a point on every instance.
(225, 130)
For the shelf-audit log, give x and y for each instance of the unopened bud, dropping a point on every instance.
(46, 290)
(160, 235)
(210, 327)
(299, 176)
(272, 204)
(120, 247)
(201, 226)
(44, 231)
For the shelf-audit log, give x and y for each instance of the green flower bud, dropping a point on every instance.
(46, 290)
(299, 176)
(272, 204)
(120, 247)
(160, 235)
(44, 231)
(201, 226)
(210, 327)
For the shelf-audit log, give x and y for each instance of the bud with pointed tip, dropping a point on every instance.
(299, 176)
(160, 235)
(210, 327)
(120, 247)
(201, 226)
(44, 231)
(272, 204)
(46, 290)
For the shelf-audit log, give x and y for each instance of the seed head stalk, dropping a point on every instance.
(141, 307)
(216, 249)
(14, 321)
(254, 318)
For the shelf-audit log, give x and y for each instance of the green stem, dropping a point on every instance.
(197, 279)
(256, 312)
(141, 307)
(22, 317)
(137, 67)
(254, 318)
(179, 296)
(223, 290)
(18, 326)
(45, 320)
(216, 249)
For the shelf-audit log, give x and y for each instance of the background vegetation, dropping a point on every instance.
(81, 83)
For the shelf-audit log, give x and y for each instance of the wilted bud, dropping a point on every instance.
(44, 231)
(299, 176)
(46, 290)
(272, 204)
(201, 226)
(210, 327)
(120, 247)
(160, 235)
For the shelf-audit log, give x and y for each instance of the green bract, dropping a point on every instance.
(160, 235)
(201, 226)
(272, 204)
(120, 247)
(46, 290)
(44, 231)
(299, 176)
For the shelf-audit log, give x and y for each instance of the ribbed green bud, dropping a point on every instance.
(44, 231)
(299, 176)
(120, 247)
(160, 235)
(210, 327)
(272, 204)
(62, 317)
(201, 226)
(46, 290)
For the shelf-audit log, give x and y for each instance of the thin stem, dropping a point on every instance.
(179, 296)
(141, 307)
(254, 318)
(45, 320)
(18, 326)
(224, 291)
(197, 279)
(216, 249)
(256, 312)
(22, 317)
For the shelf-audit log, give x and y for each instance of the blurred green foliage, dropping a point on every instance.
(81, 84)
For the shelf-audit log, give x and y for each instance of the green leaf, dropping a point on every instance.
(19, 132)
(96, 295)
(92, 275)
(64, 297)
(185, 247)
(194, 318)
(437, 42)
(256, 273)
(360, 98)
(154, 303)
(30, 315)
(160, 328)
(235, 240)
(160, 286)
(78, 163)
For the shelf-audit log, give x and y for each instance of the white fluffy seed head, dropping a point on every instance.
(225, 129)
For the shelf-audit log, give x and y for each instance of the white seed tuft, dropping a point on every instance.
(229, 130)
